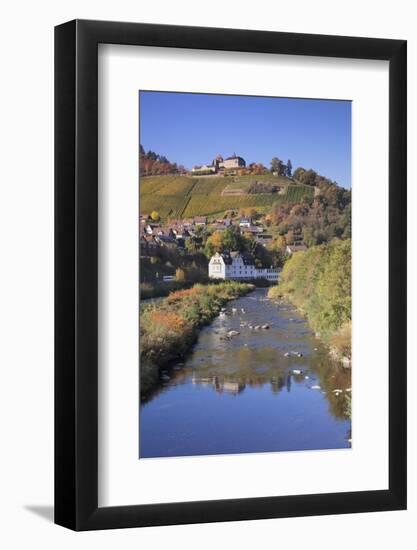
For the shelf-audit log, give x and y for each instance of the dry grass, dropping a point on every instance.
(341, 340)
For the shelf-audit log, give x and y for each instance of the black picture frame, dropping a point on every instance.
(76, 272)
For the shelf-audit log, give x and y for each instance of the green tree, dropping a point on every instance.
(290, 237)
(289, 168)
(278, 166)
(298, 173)
(308, 177)
(232, 239)
(213, 244)
(192, 244)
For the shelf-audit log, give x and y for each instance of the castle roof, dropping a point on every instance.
(234, 156)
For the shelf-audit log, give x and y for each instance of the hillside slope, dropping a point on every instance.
(185, 197)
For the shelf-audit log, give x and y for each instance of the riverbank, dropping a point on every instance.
(161, 289)
(318, 282)
(169, 329)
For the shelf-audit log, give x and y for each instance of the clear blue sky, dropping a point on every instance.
(192, 129)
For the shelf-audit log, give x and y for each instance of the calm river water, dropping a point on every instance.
(244, 394)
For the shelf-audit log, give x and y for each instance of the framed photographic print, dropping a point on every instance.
(230, 275)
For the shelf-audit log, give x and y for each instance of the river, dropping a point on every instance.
(263, 390)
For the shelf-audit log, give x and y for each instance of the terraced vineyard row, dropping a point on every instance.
(209, 186)
(148, 185)
(177, 187)
(167, 207)
(296, 192)
(185, 197)
(204, 205)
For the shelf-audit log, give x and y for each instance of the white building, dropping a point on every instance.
(233, 162)
(237, 266)
(204, 169)
(245, 222)
(220, 165)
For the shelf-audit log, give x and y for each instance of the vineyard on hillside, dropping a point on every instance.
(206, 205)
(185, 197)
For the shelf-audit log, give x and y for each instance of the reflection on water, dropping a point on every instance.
(263, 389)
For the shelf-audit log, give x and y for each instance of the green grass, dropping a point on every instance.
(186, 197)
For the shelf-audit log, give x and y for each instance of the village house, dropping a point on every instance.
(217, 226)
(153, 228)
(143, 219)
(263, 239)
(166, 240)
(178, 230)
(147, 246)
(220, 224)
(254, 229)
(239, 266)
(200, 221)
(245, 222)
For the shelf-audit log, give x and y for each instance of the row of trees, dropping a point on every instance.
(153, 164)
(277, 166)
(310, 177)
(282, 169)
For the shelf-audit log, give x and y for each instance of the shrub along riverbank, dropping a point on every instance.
(169, 328)
(318, 282)
(158, 290)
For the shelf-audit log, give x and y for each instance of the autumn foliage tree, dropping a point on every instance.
(153, 164)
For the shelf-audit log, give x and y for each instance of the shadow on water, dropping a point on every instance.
(280, 372)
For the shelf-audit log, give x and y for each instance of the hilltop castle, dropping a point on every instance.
(220, 165)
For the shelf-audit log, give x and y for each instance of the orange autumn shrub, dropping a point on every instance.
(167, 320)
(180, 295)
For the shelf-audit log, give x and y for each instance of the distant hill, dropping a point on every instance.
(176, 196)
